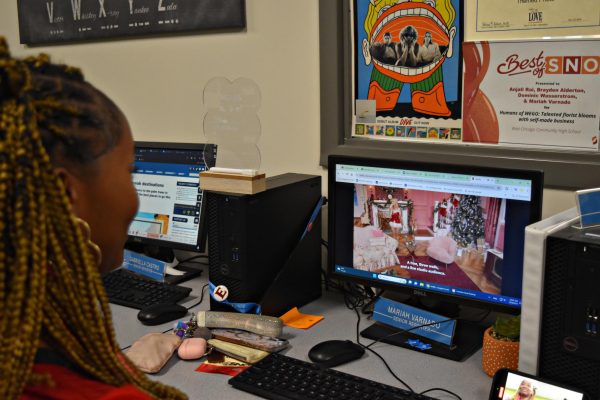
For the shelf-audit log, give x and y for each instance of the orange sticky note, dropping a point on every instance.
(296, 319)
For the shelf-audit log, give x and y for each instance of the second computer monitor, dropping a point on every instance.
(171, 211)
(442, 231)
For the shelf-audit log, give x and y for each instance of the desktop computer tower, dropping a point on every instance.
(569, 338)
(257, 246)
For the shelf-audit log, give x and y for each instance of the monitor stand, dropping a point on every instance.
(167, 255)
(468, 335)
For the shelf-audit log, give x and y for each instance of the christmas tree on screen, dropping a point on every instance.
(467, 225)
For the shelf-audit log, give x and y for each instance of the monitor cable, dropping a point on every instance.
(358, 296)
(377, 354)
(201, 297)
(190, 259)
(367, 309)
(325, 280)
(368, 347)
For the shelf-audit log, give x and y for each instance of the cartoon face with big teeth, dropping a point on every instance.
(407, 42)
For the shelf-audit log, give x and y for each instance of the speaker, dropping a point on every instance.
(261, 247)
(569, 346)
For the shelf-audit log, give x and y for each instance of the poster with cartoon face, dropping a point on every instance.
(407, 67)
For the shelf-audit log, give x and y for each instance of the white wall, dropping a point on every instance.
(158, 82)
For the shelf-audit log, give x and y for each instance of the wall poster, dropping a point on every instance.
(534, 94)
(407, 69)
(53, 21)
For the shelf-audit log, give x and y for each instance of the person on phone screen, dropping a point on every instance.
(525, 391)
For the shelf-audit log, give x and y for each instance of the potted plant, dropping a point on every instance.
(501, 344)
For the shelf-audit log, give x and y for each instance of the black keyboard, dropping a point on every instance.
(128, 289)
(280, 377)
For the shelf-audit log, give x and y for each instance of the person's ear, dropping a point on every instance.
(70, 183)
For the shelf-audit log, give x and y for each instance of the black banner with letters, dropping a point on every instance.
(54, 21)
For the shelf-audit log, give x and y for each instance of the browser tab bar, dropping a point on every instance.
(516, 189)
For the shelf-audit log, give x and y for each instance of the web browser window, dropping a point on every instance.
(451, 233)
(168, 186)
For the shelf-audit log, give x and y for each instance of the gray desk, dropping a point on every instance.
(421, 371)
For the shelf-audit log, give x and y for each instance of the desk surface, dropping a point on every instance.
(421, 371)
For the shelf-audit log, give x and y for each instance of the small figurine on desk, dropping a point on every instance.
(186, 330)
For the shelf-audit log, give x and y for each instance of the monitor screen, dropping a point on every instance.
(435, 230)
(171, 211)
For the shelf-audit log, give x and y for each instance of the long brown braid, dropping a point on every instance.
(50, 286)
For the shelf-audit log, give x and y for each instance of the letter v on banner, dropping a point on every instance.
(50, 9)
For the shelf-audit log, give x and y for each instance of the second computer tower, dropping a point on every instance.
(257, 246)
(569, 347)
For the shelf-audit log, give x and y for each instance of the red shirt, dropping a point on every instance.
(70, 385)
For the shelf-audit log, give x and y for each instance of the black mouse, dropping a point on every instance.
(160, 313)
(335, 352)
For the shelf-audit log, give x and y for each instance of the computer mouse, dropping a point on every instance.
(335, 352)
(160, 313)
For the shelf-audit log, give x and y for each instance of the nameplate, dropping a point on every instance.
(404, 317)
(144, 265)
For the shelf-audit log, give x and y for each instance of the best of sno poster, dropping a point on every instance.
(407, 69)
(534, 94)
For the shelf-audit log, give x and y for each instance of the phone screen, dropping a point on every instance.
(519, 387)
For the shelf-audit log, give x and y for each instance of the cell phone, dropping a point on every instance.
(253, 340)
(510, 384)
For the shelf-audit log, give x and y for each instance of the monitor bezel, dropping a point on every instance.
(536, 177)
(200, 245)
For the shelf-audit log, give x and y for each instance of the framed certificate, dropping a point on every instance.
(532, 94)
(522, 19)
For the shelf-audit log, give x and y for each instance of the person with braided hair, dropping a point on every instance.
(66, 201)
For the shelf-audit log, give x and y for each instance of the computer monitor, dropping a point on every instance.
(450, 233)
(171, 213)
